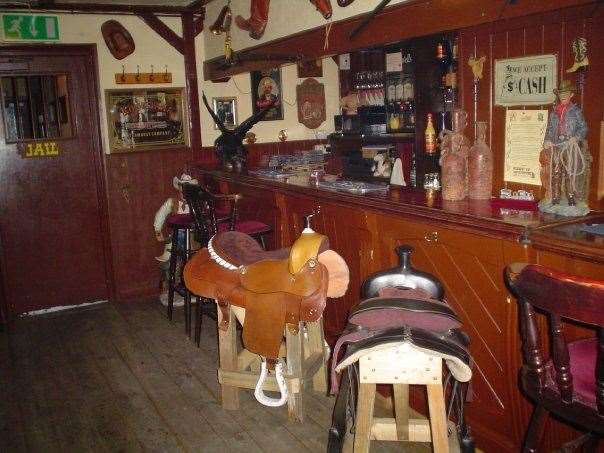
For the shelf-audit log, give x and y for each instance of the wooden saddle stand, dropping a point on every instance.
(273, 294)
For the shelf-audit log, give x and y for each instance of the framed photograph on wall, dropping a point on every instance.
(226, 110)
(266, 87)
(143, 119)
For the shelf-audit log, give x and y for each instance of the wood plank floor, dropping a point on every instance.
(125, 379)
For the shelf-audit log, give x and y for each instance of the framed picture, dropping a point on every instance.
(266, 87)
(226, 110)
(145, 119)
(310, 68)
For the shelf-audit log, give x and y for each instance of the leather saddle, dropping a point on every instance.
(275, 288)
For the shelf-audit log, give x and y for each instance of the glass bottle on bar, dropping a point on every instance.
(442, 59)
(431, 176)
(451, 75)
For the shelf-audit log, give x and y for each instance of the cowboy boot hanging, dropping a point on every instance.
(324, 7)
(256, 24)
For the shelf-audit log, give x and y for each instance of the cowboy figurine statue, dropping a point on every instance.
(565, 159)
(173, 206)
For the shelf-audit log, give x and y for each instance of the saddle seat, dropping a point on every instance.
(276, 288)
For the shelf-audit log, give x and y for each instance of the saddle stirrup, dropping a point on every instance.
(259, 393)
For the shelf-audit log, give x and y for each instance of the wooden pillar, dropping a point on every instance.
(191, 87)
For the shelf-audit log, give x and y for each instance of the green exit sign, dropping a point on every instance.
(30, 27)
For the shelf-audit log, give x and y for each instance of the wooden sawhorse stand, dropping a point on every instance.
(401, 365)
(304, 351)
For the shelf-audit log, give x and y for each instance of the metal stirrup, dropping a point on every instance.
(259, 393)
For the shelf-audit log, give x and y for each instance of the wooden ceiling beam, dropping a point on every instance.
(394, 24)
(159, 27)
(100, 8)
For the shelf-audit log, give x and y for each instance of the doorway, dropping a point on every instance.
(54, 247)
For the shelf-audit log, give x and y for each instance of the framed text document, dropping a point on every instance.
(524, 134)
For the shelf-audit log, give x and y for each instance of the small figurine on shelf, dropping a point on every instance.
(382, 166)
(454, 159)
(565, 158)
(480, 166)
(173, 206)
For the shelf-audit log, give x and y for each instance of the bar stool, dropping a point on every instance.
(182, 226)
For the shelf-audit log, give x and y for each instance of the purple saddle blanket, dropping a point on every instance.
(394, 308)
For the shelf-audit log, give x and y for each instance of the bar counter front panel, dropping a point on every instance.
(465, 244)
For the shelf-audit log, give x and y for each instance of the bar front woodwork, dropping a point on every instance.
(465, 244)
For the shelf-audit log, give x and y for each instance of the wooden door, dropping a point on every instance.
(51, 210)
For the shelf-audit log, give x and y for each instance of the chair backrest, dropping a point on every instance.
(560, 296)
(202, 206)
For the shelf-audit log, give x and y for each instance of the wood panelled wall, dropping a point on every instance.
(551, 32)
(137, 185)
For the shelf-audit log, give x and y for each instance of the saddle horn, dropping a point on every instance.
(222, 24)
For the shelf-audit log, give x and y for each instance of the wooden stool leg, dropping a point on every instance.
(198, 319)
(187, 312)
(401, 410)
(316, 345)
(172, 278)
(438, 418)
(364, 420)
(295, 358)
(535, 429)
(227, 345)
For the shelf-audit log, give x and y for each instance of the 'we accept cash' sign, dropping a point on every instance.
(525, 80)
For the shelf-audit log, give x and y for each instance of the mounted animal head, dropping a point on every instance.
(229, 146)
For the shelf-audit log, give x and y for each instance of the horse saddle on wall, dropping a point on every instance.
(275, 288)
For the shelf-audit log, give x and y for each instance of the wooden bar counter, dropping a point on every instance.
(465, 244)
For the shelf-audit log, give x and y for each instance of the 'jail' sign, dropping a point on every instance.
(41, 149)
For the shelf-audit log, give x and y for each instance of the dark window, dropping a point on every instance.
(35, 107)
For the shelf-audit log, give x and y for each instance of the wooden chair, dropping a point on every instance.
(214, 213)
(569, 384)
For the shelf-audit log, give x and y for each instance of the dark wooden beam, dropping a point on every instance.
(196, 5)
(159, 27)
(198, 22)
(99, 8)
(395, 23)
(191, 83)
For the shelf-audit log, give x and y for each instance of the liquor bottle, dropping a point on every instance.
(413, 172)
(442, 59)
(430, 136)
(480, 166)
(455, 49)
(454, 160)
